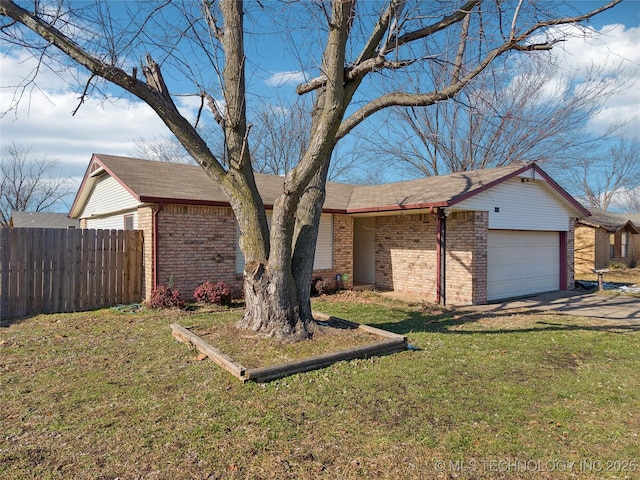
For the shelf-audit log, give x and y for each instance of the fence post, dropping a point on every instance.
(4, 274)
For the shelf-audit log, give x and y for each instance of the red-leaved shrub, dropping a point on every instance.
(165, 297)
(213, 293)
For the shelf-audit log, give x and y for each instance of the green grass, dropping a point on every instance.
(106, 394)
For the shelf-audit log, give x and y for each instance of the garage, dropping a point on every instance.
(522, 263)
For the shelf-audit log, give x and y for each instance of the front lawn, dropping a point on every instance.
(108, 394)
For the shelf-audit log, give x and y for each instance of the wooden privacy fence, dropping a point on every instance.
(57, 270)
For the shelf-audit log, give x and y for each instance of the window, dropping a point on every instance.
(128, 222)
(624, 244)
(612, 245)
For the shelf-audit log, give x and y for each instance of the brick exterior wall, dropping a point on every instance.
(145, 223)
(406, 254)
(466, 269)
(406, 258)
(601, 240)
(461, 246)
(342, 252)
(196, 244)
(479, 262)
(634, 251)
(592, 249)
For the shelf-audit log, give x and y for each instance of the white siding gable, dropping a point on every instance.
(521, 205)
(112, 222)
(108, 196)
(107, 205)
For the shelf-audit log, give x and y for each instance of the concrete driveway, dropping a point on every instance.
(607, 306)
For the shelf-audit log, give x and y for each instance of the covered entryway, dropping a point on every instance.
(522, 263)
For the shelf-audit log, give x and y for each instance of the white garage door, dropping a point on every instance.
(522, 263)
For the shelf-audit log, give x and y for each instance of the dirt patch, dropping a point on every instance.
(565, 360)
(256, 351)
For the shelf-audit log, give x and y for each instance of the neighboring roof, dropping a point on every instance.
(155, 182)
(42, 220)
(612, 222)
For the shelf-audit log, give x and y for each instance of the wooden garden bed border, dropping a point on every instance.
(392, 342)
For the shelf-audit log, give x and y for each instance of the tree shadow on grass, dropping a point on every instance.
(450, 321)
(7, 322)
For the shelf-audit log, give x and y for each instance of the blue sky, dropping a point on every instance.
(44, 122)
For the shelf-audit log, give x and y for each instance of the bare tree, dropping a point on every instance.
(627, 200)
(502, 117)
(28, 184)
(162, 148)
(362, 52)
(280, 134)
(600, 181)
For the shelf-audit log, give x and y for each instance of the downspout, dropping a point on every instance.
(441, 254)
(154, 243)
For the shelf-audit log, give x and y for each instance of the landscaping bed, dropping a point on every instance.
(333, 340)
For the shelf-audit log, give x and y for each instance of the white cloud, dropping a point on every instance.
(609, 48)
(280, 79)
(43, 119)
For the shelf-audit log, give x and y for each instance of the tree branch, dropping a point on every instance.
(429, 30)
(392, 43)
(155, 94)
(83, 96)
(417, 99)
(425, 99)
(152, 73)
(462, 44)
(211, 21)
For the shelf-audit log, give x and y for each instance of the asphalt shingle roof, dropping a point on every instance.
(153, 181)
(609, 220)
(42, 220)
(429, 191)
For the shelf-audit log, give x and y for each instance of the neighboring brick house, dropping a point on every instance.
(465, 238)
(606, 238)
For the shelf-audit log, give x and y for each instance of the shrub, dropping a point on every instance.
(210, 293)
(320, 286)
(617, 266)
(165, 297)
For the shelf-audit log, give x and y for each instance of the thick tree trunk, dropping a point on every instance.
(278, 300)
(272, 304)
(306, 238)
(277, 290)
